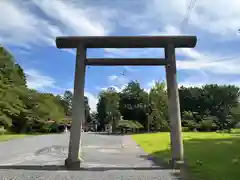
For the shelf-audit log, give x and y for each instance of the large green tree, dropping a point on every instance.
(101, 110)
(23, 109)
(67, 102)
(87, 110)
(158, 105)
(211, 100)
(12, 85)
(134, 103)
(108, 108)
(219, 101)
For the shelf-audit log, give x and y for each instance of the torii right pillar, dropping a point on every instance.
(174, 107)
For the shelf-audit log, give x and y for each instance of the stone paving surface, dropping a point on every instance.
(105, 157)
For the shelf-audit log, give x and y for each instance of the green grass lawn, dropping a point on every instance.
(6, 137)
(210, 156)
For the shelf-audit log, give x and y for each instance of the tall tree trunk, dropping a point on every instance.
(114, 125)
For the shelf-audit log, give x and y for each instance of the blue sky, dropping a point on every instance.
(29, 28)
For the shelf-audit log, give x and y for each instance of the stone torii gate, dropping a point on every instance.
(81, 43)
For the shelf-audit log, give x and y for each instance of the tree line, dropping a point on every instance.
(208, 108)
(25, 110)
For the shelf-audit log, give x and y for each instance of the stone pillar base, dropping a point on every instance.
(181, 167)
(176, 164)
(72, 164)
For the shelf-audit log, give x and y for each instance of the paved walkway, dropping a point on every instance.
(105, 157)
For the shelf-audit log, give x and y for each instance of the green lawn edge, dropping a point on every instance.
(210, 156)
(8, 137)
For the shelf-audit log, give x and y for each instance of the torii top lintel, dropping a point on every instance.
(126, 41)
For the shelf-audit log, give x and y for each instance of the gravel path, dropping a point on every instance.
(105, 158)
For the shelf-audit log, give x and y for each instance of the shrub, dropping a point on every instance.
(226, 122)
(129, 124)
(237, 125)
(208, 124)
(185, 123)
(185, 129)
(124, 124)
(190, 124)
(54, 128)
(231, 122)
(138, 124)
(165, 127)
(2, 130)
(187, 115)
(235, 112)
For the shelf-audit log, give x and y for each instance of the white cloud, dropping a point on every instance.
(36, 80)
(200, 78)
(216, 65)
(195, 59)
(124, 52)
(197, 79)
(206, 15)
(201, 61)
(22, 27)
(130, 69)
(151, 83)
(116, 88)
(209, 17)
(190, 53)
(118, 80)
(206, 18)
(117, 83)
(76, 18)
(41, 82)
(92, 101)
(168, 30)
(151, 52)
(147, 90)
(112, 78)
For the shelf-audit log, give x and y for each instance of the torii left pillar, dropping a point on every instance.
(78, 114)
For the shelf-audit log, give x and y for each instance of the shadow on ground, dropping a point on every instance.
(120, 134)
(164, 164)
(62, 168)
(106, 133)
(57, 148)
